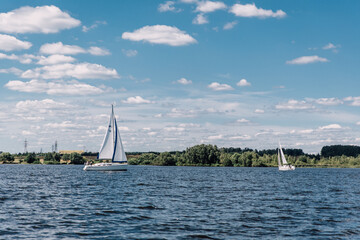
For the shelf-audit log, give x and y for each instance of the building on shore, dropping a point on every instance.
(71, 151)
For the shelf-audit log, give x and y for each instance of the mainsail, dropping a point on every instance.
(112, 147)
(283, 156)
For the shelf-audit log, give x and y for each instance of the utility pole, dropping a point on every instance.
(25, 146)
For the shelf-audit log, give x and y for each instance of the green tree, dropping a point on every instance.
(66, 157)
(202, 155)
(165, 159)
(31, 158)
(225, 159)
(6, 157)
(76, 158)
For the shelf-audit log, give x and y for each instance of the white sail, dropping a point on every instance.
(107, 147)
(119, 153)
(283, 157)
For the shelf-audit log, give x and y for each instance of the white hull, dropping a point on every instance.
(286, 168)
(106, 167)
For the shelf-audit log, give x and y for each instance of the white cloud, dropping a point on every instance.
(330, 127)
(328, 101)
(60, 48)
(64, 124)
(294, 105)
(250, 10)
(12, 70)
(93, 26)
(136, 100)
(200, 19)
(220, 87)
(42, 19)
(209, 6)
(10, 43)
(241, 137)
(216, 137)
(54, 88)
(40, 105)
(129, 52)
(229, 25)
(160, 34)
(243, 83)
(55, 59)
(184, 81)
(24, 59)
(307, 60)
(66, 70)
(168, 7)
(174, 129)
(259, 111)
(97, 51)
(355, 101)
(242, 120)
(330, 46)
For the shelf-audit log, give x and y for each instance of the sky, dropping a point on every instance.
(179, 73)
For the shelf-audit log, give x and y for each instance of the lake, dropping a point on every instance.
(149, 202)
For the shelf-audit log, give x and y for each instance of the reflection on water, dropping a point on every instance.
(146, 202)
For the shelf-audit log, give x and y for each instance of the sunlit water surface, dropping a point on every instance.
(147, 202)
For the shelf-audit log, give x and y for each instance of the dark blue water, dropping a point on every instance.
(146, 202)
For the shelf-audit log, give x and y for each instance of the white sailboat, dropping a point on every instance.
(283, 164)
(111, 149)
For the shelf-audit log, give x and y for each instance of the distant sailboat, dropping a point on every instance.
(111, 149)
(283, 164)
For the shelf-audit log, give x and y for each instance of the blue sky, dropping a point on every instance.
(185, 72)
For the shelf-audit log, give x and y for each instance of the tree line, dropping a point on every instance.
(209, 155)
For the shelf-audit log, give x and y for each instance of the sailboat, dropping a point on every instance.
(283, 164)
(111, 149)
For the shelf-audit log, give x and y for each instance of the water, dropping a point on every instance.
(146, 202)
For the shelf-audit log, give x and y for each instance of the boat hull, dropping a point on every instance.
(286, 168)
(106, 167)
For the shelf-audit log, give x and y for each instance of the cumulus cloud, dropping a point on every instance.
(250, 10)
(330, 46)
(328, 101)
(12, 70)
(60, 48)
(93, 26)
(243, 83)
(294, 105)
(168, 6)
(216, 137)
(229, 25)
(184, 81)
(40, 105)
(69, 70)
(330, 127)
(42, 19)
(220, 87)
(54, 88)
(242, 120)
(55, 59)
(200, 19)
(259, 111)
(160, 34)
(136, 100)
(209, 6)
(129, 52)
(355, 101)
(307, 60)
(24, 59)
(10, 43)
(97, 51)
